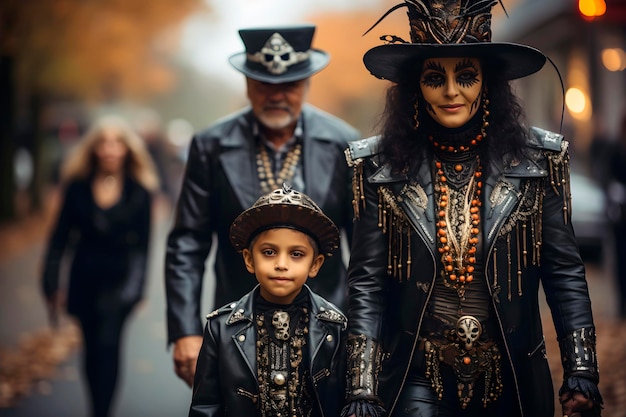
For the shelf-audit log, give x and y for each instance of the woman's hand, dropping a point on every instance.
(575, 404)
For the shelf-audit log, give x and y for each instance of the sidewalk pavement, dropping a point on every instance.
(40, 370)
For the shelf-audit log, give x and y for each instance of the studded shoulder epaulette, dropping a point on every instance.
(332, 315)
(545, 139)
(555, 149)
(219, 311)
(356, 152)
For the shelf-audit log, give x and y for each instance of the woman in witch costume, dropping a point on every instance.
(462, 212)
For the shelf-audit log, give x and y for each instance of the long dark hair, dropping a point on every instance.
(402, 142)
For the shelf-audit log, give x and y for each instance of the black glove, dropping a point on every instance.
(581, 395)
(363, 408)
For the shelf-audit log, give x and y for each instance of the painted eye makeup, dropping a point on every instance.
(433, 80)
(434, 75)
(467, 78)
(467, 73)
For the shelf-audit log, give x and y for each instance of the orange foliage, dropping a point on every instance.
(92, 49)
(345, 87)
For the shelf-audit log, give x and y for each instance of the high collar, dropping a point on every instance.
(243, 309)
(447, 138)
(262, 305)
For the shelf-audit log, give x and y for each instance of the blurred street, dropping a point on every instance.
(149, 386)
(165, 68)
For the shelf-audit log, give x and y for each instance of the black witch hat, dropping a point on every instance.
(449, 28)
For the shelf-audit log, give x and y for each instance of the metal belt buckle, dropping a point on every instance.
(468, 331)
(476, 358)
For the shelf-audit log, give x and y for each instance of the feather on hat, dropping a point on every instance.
(449, 28)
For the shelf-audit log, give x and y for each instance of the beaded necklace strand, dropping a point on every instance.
(287, 171)
(457, 245)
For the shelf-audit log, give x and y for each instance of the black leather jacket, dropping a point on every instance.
(391, 310)
(226, 376)
(219, 183)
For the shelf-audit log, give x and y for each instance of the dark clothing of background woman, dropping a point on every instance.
(107, 274)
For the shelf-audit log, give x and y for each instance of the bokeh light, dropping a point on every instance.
(576, 102)
(592, 8)
(614, 59)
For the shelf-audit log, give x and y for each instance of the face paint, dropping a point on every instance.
(451, 88)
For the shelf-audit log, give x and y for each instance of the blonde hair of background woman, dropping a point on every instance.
(81, 161)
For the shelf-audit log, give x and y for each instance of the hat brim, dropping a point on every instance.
(390, 61)
(317, 62)
(256, 219)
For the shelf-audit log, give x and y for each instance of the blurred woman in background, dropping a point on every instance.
(105, 218)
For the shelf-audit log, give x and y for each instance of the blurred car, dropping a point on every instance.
(589, 216)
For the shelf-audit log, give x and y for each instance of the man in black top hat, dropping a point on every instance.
(277, 139)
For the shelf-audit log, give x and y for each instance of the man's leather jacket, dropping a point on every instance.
(220, 182)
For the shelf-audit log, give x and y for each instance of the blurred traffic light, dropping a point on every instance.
(592, 8)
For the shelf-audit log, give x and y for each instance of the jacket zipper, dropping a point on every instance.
(419, 326)
(495, 309)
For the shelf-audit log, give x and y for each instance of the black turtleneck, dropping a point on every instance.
(455, 137)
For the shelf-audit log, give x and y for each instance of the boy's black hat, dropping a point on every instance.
(285, 208)
(280, 54)
(449, 28)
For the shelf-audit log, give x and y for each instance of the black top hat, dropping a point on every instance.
(450, 28)
(286, 208)
(280, 54)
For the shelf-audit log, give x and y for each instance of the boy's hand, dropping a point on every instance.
(185, 356)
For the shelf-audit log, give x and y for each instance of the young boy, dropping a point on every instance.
(278, 351)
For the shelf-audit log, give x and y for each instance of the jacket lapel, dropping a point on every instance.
(324, 337)
(320, 160)
(502, 193)
(416, 199)
(244, 338)
(319, 166)
(317, 336)
(237, 159)
(501, 196)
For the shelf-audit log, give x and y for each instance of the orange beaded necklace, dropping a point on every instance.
(454, 149)
(457, 245)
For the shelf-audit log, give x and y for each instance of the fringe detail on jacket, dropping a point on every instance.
(522, 232)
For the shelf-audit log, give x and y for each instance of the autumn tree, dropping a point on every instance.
(346, 88)
(88, 50)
